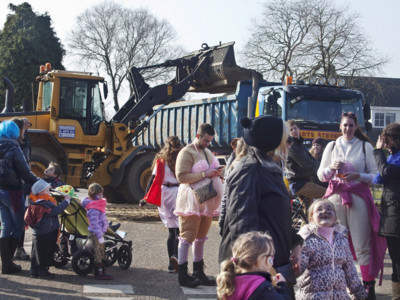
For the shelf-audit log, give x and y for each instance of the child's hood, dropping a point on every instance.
(309, 229)
(99, 205)
(247, 283)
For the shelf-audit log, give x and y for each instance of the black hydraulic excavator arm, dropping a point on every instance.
(210, 69)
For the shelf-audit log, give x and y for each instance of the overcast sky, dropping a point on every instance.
(212, 21)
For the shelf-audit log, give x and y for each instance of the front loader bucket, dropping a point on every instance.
(219, 73)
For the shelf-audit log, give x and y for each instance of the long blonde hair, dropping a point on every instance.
(245, 250)
(282, 151)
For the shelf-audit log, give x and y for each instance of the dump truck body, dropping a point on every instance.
(224, 112)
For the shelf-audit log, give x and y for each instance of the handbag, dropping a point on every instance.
(206, 191)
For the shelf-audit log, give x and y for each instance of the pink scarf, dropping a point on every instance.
(378, 243)
(97, 204)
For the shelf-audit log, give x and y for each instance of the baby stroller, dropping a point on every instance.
(74, 244)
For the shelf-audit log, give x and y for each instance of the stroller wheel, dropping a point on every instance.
(60, 257)
(111, 253)
(82, 262)
(124, 257)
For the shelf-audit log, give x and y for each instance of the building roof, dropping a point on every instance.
(378, 91)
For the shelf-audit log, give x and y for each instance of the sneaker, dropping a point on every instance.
(173, 265)
(21, 254)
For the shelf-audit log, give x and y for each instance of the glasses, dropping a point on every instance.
(350, 115)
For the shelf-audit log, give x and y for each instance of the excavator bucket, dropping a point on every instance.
(219, 73)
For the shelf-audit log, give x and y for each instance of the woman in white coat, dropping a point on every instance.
(349, 166)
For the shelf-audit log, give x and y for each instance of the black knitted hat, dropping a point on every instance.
(264, 132)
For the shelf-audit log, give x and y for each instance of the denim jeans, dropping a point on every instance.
(12, 221)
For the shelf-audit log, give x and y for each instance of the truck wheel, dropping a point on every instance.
(112, 195)
(40, 160)
(136, 177)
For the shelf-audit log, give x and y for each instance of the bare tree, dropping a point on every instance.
(338, 45)
(309, 37)
(273, 45)
(113, 38)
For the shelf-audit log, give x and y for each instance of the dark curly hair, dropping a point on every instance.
(392, 131)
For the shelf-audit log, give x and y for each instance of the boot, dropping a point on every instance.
(184, 278)
(173, 265)
(198, 272)
(100, 273)
(395, 290)
(370, 289)
(21, 254)
(7, 253)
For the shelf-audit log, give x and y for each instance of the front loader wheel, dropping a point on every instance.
(136, 177)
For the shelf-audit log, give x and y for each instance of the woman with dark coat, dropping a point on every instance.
(13, 169)
(256, 197)
(389, 175)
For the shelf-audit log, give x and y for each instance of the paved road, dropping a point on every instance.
(146, 279)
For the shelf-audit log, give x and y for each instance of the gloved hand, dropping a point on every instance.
(101, 240)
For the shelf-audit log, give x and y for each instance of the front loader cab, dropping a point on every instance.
(80, 100)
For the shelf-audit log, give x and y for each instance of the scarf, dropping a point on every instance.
(46, 197)
(100, 205)
(377, 243)
(391, 160)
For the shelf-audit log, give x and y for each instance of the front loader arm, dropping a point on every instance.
(144, 98)
(210, 69)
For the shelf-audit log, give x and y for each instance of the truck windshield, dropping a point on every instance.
(322, 110)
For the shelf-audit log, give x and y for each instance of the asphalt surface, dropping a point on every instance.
(147, 277)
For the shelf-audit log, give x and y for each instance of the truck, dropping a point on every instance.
(69, 125)
(316, 107)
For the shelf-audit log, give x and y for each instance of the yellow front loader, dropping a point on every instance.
(69, 126)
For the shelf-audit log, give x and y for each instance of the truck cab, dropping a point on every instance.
(316, 109)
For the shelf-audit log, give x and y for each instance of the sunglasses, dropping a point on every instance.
(350, 115)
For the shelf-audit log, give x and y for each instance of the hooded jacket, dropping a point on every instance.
(257, 199)
(327, 269)
(390, 206)
(13, 165)
(44, 215)
(258, 286)
(98, 222)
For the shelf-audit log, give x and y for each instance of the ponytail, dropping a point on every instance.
(226, 279)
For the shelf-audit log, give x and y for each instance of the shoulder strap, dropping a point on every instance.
(365, 157)
(205, 154)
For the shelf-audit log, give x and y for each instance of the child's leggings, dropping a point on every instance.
(99, 251)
